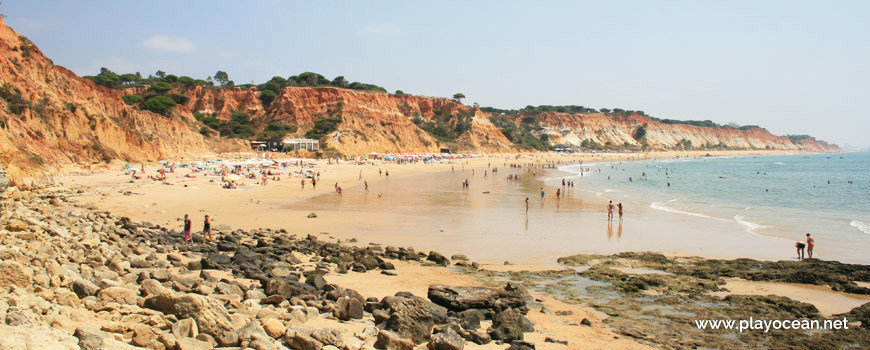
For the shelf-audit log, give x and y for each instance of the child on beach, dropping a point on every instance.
(186, 234)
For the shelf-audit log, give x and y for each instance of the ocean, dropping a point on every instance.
(723, 207)
(781, 196)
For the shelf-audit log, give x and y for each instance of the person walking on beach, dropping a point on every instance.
(619, 207)
(303, 184)
(186, 234)
(367, 185)
(610, 211)
(527, 205)
(800, 249)
(206, 231)
(360, 174)
(810, 244)
(313, 183)
(542, 193)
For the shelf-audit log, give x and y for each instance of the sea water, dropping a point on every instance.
(755, 207)
(781, 196)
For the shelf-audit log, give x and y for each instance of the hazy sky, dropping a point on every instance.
(794, 67)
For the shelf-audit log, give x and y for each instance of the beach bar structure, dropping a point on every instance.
(306, 144)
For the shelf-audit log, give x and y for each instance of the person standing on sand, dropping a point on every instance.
(542, 193)
(186, 234)
(619, 206)
(367, 185)
(206, 231)
(800, 249)
(610, 211)
(313, 183)
(527, 205)
(810, 244)
(303, 183)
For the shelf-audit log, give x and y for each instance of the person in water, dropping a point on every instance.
(610, 211)
(810, 244)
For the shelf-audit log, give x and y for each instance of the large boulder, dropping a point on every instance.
(409, 318)
(391, 341)
(119, 295)
(36, 338)
(210, 314)
(14, 274)
(447, 340)
(84, 288)
(507, 326)
(459, 299)
(288, 289)
(348, 308)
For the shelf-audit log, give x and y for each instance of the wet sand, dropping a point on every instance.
(828, 301)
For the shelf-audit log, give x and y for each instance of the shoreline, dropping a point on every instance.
(262, 207)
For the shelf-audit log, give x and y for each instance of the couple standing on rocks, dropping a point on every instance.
(809, 245)
(206, 230)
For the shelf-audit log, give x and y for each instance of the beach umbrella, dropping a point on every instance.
(161, 161)
(233, 178)
(127, 166)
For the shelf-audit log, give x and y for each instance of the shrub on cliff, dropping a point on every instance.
(158, 104)
(131, 99)
(160, 88)
(322, 127)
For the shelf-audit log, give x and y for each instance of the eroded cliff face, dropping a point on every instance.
(49, 117)
(623, 130)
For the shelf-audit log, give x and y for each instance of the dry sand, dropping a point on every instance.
(257, 207)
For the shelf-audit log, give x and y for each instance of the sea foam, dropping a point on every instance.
(861, 226)
(664, 207)
(751, 227)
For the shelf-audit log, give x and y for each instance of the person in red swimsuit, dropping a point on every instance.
(810, 244)
(610, 211)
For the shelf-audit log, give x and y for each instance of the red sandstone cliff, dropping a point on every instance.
(49, 117)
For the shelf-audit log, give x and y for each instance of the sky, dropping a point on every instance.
(792, 67)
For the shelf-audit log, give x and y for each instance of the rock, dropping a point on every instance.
(84, 288)
(273, 299)
(586, 322)
(151, 287)
(300, 339)
(447, 340)
(192, 344)
(210, 315)
(391, 341)
(168, 340)
(329, 336)
(459, 299)
(348, 308)
(142, 335)
(119, 295)
(161, 275)
(470, 319)
(316, 280)
(555, 341)
(227, 339)
(459, 257)
(14, 274)
(438, 258)
(507, 326)
(312, 215)
(409, 318)
(93, 339)
(521, 345)
(36, 338)
(185, 328)
(288, 289)
(16, 225)
(273, 327)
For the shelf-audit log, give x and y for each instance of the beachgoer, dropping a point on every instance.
(619, 206)
(367, 185)
(387, 173)
(303, 184)
(558, 193)
(800, 249)
(811, 242)
(313, 184)
(186, 234)
(542, 193)
(610, 211)
(206, 231)
(360, 174)
(527, 205)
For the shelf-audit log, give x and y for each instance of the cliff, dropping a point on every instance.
(625, 130)
(49, 118)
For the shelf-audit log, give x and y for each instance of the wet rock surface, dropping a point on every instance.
(660, 304)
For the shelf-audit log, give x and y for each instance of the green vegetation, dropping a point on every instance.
(323, 127)
(158, 104)
(131, 99)
(444, 126)
(521, 136)
(15, 104)
(458, 96)
(640, 132)
(798, 138)
(278, 130)
(400, 92)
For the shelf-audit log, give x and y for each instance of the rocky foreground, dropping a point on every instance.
(74, 278)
